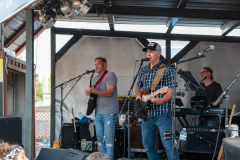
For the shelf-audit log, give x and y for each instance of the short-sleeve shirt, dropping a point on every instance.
(212, 92)
(107, 105)
(145, 82)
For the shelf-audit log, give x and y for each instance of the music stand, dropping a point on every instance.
(190, 80)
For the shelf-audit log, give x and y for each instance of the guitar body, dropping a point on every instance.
(145, 95)
(92, 101)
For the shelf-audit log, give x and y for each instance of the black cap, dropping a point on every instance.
(153, 46)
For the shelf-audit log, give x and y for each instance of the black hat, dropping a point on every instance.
(153, 46)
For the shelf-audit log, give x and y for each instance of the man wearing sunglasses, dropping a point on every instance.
(212, 91)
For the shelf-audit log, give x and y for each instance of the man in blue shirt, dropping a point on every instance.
(161, 105)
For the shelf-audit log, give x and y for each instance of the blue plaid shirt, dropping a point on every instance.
(145, 82)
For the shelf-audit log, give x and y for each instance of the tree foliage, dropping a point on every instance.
(39, 93)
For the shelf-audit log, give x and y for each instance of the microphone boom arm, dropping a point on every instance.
(226, 90)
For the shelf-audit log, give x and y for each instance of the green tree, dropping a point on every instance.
(39, 93)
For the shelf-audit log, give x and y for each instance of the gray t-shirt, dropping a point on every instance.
(107, 105)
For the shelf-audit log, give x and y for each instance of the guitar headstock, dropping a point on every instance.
(163, 90)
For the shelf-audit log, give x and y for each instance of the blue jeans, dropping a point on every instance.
(149, 129)
(105, 131)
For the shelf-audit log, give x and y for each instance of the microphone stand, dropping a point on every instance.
(128, 99)
(174, 66)
(225, 95)
(62, 99)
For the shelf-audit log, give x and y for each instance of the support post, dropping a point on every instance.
(29, 90)
(2, 55)
(53, 51)
(168, 48)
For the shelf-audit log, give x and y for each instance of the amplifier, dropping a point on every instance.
(136, 137)
(119, 143)
(67, 139)
(201, 142)
(86, 141)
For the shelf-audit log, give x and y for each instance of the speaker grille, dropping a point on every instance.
(11, 129)
(68, 137)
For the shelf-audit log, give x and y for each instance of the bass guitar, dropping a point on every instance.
(92, 101)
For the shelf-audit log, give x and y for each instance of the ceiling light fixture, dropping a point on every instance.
(82, 6)
(68, 10)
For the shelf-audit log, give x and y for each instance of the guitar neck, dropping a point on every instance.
(75, 131)
(74, 121)
(157, 92)
(91, 80)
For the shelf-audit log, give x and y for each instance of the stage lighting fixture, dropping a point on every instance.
(68, 10)
(57, 10)
(82, 6)
(48, 18)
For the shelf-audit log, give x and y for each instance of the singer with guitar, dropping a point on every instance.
(159, 112)
(105, 87)
(212, 91)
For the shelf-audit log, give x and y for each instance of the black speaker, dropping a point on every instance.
(73, 154)
(85, 134)
(67, 140)
(50, 154)
(119, 143)
(11, 129)
(201, 142)
(61, 154)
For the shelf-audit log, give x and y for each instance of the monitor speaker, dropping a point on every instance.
(11, 129)
(61, 154)
(73, 154)
(50, 154)
(231, 148)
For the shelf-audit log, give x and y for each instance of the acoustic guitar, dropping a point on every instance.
(92, 101)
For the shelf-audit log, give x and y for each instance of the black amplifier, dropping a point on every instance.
(201, 142)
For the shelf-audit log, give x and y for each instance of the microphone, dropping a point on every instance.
(87, 72)
(211, 47)
(203, 79)
(144, 59)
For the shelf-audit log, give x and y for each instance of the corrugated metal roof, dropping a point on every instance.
(230, 5)
(14, 26)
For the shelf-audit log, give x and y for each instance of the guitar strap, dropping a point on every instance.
(158, 77)
(100, 79)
